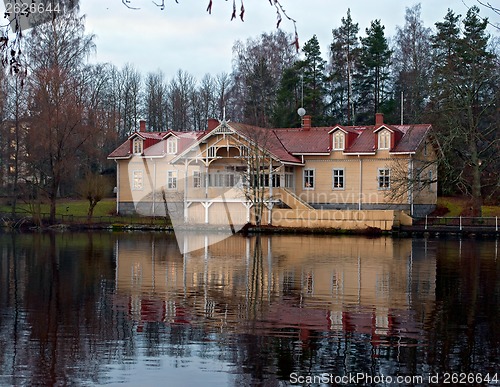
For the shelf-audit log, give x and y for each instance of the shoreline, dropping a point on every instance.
(406, 232)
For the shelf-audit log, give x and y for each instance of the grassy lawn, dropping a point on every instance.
(78, 209)
(456, 206)
(105, 207)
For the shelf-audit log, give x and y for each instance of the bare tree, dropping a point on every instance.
(155, 94)
(129, 84)
(412, 70)
(14, 128)
(258, 178)
(205, 102)
(94, 187)
(180, 92)
(258, 65)
(59, 122)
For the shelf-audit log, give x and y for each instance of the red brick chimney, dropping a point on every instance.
(142, 126)
(379, 119)
(212, 123)
(306, 122)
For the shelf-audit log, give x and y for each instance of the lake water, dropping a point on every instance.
(128, 309)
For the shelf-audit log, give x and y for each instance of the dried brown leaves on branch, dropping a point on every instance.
(10, 48)
(280, 13)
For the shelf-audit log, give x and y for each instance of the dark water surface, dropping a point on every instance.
(128, 309)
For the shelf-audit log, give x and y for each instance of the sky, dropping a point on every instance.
(184, 36)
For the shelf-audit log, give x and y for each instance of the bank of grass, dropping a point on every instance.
(77, 208)
(457, 206)
(75, 212)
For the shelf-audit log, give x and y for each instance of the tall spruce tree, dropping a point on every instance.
(314, 78)
(465, 100)
(288, 99)
(344, 52)
(373, 74)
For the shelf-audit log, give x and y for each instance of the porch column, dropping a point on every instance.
(186, 190)
(206, 205)
(360, 200)
(154, 187)
(247, 205)
(117, 186)
(270, 207)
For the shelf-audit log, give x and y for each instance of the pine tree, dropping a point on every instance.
(372, 78)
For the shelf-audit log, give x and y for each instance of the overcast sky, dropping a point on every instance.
(184, 36)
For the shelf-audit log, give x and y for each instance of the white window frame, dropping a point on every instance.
(137, 146)
(172, 180)
(196, 179)
(307, 185)
(338, 140)
(137, 180)
(172, 146)
(338, 176)
(384, 179)
(384, 139)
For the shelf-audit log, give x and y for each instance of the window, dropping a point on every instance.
(137, 181)
(196, 179)
(171, 179)
(308, 178)
(338, 140)
(138, 146)
(430, 181)
(289, 177)
(384, 139)
(338, 178)
(384, 178)
(172, 146)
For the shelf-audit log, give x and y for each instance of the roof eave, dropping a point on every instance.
(293, 163)
(118, 157)
(312, 154)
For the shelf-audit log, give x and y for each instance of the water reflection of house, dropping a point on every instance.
(318, 283)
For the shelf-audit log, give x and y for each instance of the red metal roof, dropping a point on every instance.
(298, 141)
(286, 143)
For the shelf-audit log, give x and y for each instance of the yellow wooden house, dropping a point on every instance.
(224, 174)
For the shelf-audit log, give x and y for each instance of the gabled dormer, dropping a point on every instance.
(172, 145)
(386, 136)
(137, 145)
(341, 138)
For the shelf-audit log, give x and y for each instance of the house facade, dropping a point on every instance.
(237, 171)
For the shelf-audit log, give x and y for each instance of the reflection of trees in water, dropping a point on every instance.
(467, 302)
(59, 307)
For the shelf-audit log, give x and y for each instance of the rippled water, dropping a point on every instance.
(130, 310)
